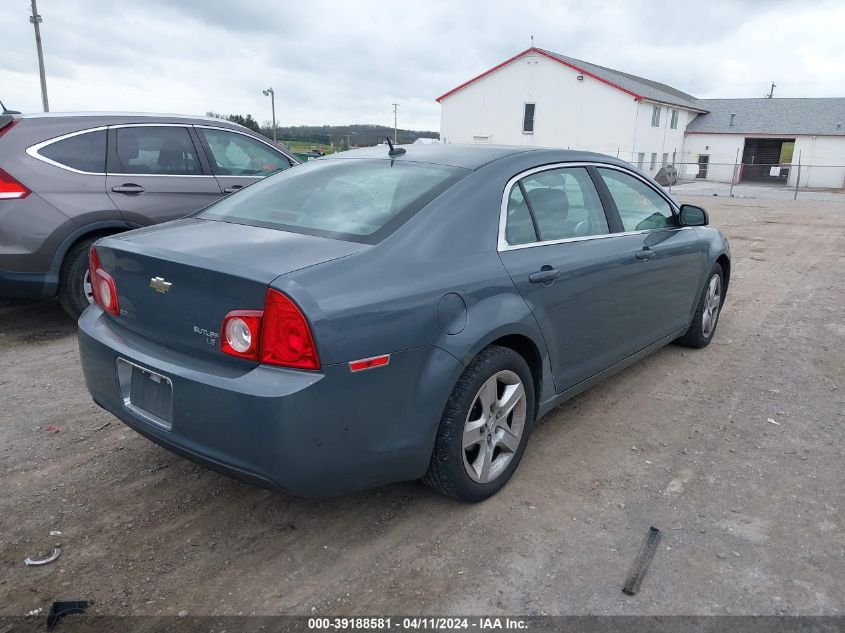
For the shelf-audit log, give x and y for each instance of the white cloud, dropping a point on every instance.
(347, 61)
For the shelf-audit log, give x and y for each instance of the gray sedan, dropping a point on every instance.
(374, 317)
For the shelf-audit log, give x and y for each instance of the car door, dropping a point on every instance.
(560, 249)
(238, 159)
(156, 173)
(668, 265)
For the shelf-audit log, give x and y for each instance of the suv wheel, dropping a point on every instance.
(75, 292)
(484, 428)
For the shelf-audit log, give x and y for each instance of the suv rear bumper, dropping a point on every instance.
(15, 285)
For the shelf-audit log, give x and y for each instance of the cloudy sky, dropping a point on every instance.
(341, 62)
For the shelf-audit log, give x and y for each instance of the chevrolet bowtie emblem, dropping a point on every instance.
(159, 284)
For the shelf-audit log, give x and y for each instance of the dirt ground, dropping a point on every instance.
(735, 452)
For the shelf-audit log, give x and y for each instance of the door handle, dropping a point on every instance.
(645, 254)
(128, 188)
(544, 275)
(233, 188)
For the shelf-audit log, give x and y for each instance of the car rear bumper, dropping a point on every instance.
(17, 285)
(313, 434)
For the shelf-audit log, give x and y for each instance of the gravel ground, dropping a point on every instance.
(734, 452)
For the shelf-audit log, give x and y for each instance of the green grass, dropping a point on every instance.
(300, 147)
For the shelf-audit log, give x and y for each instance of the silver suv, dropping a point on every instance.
(68, 179)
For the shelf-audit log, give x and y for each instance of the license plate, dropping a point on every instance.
(147, 394)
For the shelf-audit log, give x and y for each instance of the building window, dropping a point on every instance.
(640, 160)
(528, 119)
(665, 159)
(674, 122)
(653, 162)
(655, 116)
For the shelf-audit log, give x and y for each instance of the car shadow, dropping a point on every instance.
(34, 321)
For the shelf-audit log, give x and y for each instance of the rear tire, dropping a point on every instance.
(707, 312)
(74, 295)
(484, 428)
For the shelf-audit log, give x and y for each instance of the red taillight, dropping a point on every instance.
(240, 333)
(285, 336)
(102, 285)
(11, 189)
(9, 126)
(278, 335)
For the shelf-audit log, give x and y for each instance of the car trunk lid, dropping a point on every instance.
(175, 282)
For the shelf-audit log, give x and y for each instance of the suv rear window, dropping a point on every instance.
(354, 199)
(85, 152)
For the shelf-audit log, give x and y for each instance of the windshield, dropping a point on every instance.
(352, 199)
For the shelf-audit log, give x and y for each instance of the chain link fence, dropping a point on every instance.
(782, 176)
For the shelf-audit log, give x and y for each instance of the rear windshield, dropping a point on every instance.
(351, 199)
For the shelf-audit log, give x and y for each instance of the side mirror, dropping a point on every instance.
(692, 215)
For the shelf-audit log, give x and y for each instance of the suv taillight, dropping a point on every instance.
(278, 335)
(9, 126)
(102, 285)
(11, 189)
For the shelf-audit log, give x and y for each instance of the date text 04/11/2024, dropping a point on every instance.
(417, 623)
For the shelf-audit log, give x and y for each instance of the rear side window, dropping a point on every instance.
(155, 150)
(84, 152)
(640, 207)
(239, 155)
(563, 204)
(354, 199)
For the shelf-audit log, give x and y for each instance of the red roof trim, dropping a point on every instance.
(544, 54)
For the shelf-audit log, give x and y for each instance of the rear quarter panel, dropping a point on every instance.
(386, 299)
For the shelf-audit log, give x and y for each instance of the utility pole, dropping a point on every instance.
(771, 91)
(35, 19)
(395, 129)
(269, 92)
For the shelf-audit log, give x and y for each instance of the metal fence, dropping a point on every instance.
(694, 174)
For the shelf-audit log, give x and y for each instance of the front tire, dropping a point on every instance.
(74, 285)
(484, 428)
(707, 313)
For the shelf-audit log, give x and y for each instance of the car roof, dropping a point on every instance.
(469, 156)
(132, 117)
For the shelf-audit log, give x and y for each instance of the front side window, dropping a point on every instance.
(553, 205)
(528, 118)
(239, 155)
(655, 116)
(352, 199)
(85, 152)
(640, 207)
(673, 123)
(148, 149)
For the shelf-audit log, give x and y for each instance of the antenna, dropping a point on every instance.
(532, 40)
(771, 91)
(5, 110)
(394, 152)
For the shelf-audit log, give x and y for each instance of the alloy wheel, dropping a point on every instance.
(712, 304)
(494, 426)
(87, 289)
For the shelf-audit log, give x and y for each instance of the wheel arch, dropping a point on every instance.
(89, 231)
(528, 344)
(725, 262)
(526, 348)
